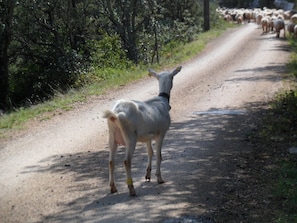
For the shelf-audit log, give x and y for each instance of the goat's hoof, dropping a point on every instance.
(148, 174)
(148, 177)
(161, 181)
(131, 190)
(113, 189)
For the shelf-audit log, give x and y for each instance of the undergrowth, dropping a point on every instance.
(284, 132)
(279, 133)
(285, 192)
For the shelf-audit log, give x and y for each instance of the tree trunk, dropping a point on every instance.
(7, 8)
(206, 15)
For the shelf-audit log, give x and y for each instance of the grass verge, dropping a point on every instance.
(277, 134)
(282, 129)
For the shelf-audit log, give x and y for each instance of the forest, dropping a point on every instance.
(50, 45)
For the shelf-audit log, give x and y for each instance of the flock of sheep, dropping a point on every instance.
(271, 20)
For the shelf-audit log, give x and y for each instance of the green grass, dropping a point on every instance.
(292, 65)
(96, 84)
(286, 192)
(279, 133)
(284, 126)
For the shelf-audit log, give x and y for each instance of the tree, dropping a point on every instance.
(53, 41)
(49, 46)
(206, 15)
(127, 19)
(6, 17)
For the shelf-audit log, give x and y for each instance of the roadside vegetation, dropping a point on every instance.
(99, 79)
(284, 129)
(277, 134)
(52, 45)
(55, 54)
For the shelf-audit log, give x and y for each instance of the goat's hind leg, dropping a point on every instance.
(128, 161)
(149, 161)
(112, 150)
(159, 143)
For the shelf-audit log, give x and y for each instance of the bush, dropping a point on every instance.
(36, 79)
(108, 60)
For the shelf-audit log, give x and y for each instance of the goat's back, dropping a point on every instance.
(146, 119)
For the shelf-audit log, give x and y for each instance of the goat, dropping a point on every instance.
(132, 121)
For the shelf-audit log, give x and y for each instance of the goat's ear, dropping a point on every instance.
(178, 69)
(153, 73)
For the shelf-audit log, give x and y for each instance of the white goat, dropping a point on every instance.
(132, 121)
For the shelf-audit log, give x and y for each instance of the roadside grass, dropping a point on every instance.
(98, 81)
(64, 102)
(285, 191)
(279, 133)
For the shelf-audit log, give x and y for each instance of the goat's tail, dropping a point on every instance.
(110, 115)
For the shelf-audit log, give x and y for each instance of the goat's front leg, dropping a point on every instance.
(128, 160)
(112, 151)
(159, 142)
(149, 161)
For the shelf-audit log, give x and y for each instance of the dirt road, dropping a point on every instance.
(57, 171)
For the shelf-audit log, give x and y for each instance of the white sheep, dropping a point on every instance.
(294, 18)
(265, 21)
(133, 121)
(272, 19)
(290, 27)
(259, 17)
(295, 31)
(279, 24)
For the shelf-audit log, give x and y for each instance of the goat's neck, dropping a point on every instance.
(167, 96)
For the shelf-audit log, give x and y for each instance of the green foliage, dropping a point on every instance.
(36, 82)
(292, 65)
(279, 132)
(280, 122)
(282, 118)
(108, 61)
(96, 82)
(59, 45)
(108, 53)
(47, 52)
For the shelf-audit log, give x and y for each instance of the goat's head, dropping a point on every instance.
(165, 79)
